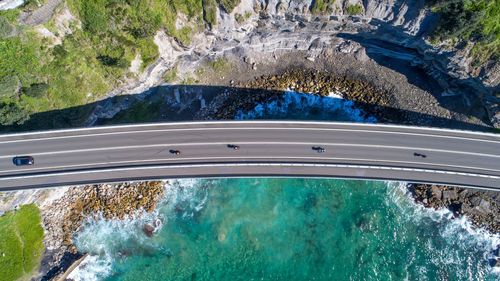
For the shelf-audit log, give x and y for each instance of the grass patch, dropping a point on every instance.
(20, 242)
(355, 9)
(170, 75)
(219, 65)
(322, 6)
(188, 81)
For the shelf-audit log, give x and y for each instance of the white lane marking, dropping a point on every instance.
(248, 143)
(183, 123)
(172, 159)
(252, 165)
(250, 128)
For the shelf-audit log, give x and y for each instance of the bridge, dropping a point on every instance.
(266, 149)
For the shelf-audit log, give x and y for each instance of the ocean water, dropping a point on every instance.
(286, 229)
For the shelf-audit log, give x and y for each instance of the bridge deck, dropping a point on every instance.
(267, 148)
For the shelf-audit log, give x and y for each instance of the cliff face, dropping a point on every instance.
(394, 29)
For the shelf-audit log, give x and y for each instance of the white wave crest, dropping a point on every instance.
(92, 268)
(457, 233)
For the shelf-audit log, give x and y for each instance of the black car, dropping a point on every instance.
(23, 160)
(319, 149)
(235, 147)
(176, 152)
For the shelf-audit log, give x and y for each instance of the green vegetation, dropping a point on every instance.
(12, 113)
(322, 6)
(20, 242)
(239, 18)
(471, 20)
(209, 12)
(354, 9)
(36, 76)
(170, 75)
(219, 65)
(228, 5)
(5, 27)
(9, 85)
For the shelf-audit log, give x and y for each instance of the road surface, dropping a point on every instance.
(267, 148)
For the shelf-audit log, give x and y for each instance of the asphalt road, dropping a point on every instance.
(267, 148)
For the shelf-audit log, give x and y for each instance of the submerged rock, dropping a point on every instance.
(148, 230)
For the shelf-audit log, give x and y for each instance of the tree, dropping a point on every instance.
(36, 90)
(12, 113)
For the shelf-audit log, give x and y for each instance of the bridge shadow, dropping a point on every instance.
(193, 102)
(457, 95)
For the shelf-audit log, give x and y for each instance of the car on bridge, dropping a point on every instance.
(232, 146)
(319, 149)
(23, 160)
(176, 152)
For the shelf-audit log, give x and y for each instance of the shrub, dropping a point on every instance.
(228, 5)
(354, 9)
(322, 6)
(239, 18)
(59, 52)
(11, 113)
(18, 58)
(93, 16)
(9, 85)
(209, 12)
(36, 90)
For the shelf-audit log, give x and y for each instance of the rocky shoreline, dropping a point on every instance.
(66, 215)
(482, 207)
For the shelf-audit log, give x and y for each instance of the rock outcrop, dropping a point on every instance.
(482, 207)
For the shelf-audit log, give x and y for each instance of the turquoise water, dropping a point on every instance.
(286, 229)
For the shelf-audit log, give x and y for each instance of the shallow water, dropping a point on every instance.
(286, 229)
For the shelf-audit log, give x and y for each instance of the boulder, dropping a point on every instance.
(484, 206)
(436, 191)
(148, 230)
(450, 194)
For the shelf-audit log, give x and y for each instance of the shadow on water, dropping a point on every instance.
(457, 95)
(191, 102)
